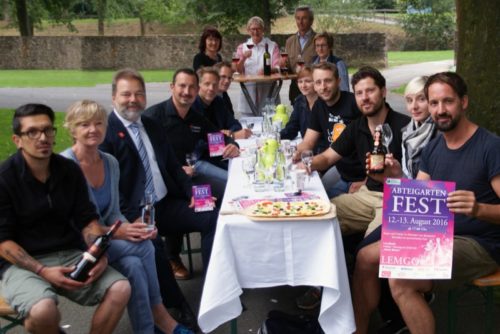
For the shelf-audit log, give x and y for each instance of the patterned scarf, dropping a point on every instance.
(415, 138)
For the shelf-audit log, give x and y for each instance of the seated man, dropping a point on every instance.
(148, 164)
(470, 156)
(356, 211)
(226, 77)
(210, 105)
(331, 113)
(45, 214)
(187, 132)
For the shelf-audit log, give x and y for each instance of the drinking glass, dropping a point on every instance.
(191, 159)
(248, 165)
(386, 136)
(235, 60)
(250, 46)
(307, 156)
(148, 211)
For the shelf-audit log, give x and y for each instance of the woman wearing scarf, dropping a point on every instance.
(420, 130)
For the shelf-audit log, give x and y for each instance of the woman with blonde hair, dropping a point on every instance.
(131, 252)
(420, 130)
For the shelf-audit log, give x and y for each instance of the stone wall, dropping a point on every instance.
(154, 52)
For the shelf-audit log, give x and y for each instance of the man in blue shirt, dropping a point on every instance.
(469, 156)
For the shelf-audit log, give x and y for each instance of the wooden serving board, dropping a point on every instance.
(332, 213)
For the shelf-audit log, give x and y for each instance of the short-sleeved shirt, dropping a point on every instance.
(472, 167)
(358, 138)
(330, 121)
(43, 217)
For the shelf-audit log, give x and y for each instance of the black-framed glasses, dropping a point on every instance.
(36, 133)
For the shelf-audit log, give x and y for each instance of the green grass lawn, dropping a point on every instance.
(7, 147)
(70, 78)
(396, 58)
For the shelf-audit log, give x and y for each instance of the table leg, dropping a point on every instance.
(250, 102)
(234, 326)
(275, 89)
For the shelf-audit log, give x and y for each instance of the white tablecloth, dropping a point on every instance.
(250, 254)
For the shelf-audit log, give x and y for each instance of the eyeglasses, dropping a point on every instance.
(36, 133)
(225, 77)
(321, 45)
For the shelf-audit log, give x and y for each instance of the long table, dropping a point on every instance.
(276, 80)
(248, 254)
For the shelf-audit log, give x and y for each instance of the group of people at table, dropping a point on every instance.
(52, 206)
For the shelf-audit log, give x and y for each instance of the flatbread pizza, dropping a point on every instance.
(281, 209)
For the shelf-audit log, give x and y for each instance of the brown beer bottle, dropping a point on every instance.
(89, 258)
(377, 156)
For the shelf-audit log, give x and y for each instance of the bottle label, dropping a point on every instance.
(268, 62)
(89, 257)
(377, 162)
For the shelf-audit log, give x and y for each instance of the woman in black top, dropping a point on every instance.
(210, 45)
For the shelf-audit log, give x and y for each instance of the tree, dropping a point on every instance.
(228, 16)
(477, 58)
(429, 25)
(29, 14)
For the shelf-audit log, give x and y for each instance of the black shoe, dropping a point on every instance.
(184, 315)
(393, 327)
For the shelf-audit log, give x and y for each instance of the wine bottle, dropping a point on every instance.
(267, 61)
(377, 156)
(89, 258)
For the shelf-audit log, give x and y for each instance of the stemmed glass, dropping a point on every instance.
(386, 136)
(307, 156)
(235, 60)
(250, 46)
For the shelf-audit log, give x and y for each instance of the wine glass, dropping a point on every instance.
(386, 136)
(300, 62)
(235, 60)
(307, 157)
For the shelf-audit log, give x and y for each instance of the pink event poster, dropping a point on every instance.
(216, 144)
(417, 230)
(203, 200)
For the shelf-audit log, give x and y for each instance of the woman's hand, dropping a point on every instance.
(135, 232)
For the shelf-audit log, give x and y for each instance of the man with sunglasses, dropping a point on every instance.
(45, 217)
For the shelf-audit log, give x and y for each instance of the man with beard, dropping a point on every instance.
(357, 210)
(46, 219)
(148, 165)
(465, 154)
(331, 113)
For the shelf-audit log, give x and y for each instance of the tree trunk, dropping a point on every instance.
(266, 16)
(23, 19)
(143, 25)
(477, 59)
(101, 16)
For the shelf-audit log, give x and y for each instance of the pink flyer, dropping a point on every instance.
(417, 230)
(216, 144)
(203, 200)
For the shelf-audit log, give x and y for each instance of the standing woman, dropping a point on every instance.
(210, 45)
(251, 62)
(131, 252)
(323, 45)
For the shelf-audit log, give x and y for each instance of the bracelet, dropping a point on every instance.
(39, 270)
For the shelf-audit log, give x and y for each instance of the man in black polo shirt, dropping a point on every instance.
(331, 113)
(357, 210)
(210, 105)
(187, 132)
